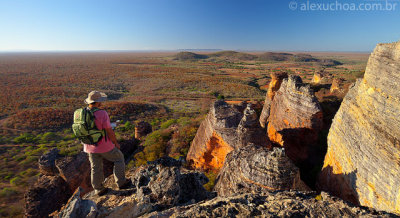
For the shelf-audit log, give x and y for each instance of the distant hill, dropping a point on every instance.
(267, 56)
(185, 55)
(280, 56)
(274, 56)
(234, 55)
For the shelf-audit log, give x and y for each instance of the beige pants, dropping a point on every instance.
(96, 164)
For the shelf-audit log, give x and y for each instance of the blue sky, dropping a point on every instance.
(191, 24)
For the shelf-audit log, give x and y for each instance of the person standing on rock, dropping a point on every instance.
(107, 148)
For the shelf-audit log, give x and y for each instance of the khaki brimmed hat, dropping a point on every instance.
(95, 96)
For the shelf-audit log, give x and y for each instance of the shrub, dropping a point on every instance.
(211, 181)
(7, 192)
(154, 146)
(128, 126)
(25, 138)
(16, 181)
(168, 123)
(49, 136)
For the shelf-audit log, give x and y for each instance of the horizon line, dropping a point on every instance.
(169, 50)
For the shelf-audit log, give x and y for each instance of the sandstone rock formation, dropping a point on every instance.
(362, 163)
(295, 118)
(272, 204)
(62, 176)
(225, 128)
(159, 185)
(317, 77)
(337, 85)
(274, 85)
(142, 129)
(254, 169)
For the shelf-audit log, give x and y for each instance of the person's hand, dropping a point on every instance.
(117, 146)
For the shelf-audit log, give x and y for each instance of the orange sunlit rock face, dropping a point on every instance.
(214, 155)
(226, 127)
(273, 135)
(273, 87)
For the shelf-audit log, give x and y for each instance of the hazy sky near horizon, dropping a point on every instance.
(282, 25)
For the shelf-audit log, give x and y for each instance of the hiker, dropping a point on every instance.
(100, 143)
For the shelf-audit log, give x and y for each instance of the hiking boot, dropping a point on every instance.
(100, 192)
(127, 184)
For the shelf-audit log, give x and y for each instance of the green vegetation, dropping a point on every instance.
(167, 141)
(211, 180)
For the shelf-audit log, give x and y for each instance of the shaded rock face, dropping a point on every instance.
(225, 128)
(272, 204)
(362, 163)
(255, 169)
(295, 118)
(75, 170)
(47, 164)
(64, 173)
(48, 195)
(274, 85)
(160, 185)
(142, 129)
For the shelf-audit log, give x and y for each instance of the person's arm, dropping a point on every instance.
(111, 135)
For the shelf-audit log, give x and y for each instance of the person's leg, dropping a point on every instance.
(97, 175)
(117, 157)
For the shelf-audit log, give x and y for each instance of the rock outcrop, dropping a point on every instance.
(142, 129)
(225, 128)
(295, 118)
(362, 164)
(317, 77)
(47, 162)
(76, 207)
(272, 204)
(337, 85)
(47, 195)
(160, 185)
(63, 175)
(274, 85)
(255, 169)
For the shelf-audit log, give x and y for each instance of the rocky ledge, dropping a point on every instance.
(272, 204)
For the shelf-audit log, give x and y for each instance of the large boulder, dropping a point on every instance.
(272, 204)
(225, 128)
(75, 170)
(362, 164)
(255, 169)
(295, 118)
(47, 195)
(273, 87)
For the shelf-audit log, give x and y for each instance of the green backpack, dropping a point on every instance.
(85, 128)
